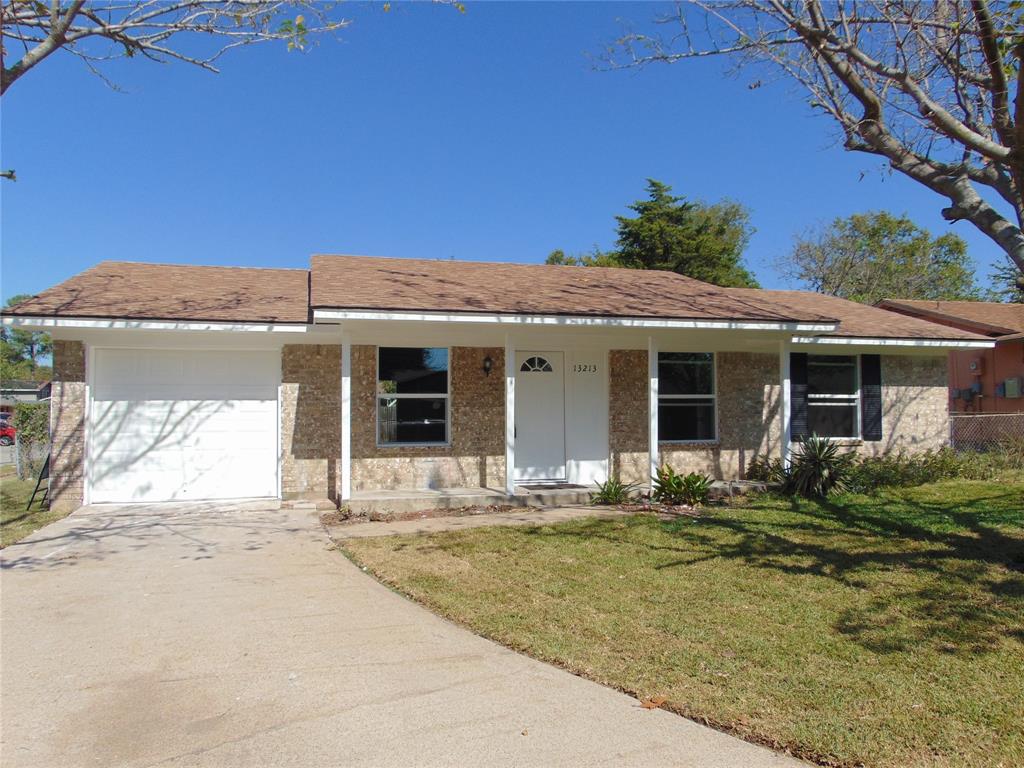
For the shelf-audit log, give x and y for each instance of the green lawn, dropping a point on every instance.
(15, 522)
(884, 630)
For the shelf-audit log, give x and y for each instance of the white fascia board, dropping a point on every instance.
(851, 341)
(341, 315)
(24, 321)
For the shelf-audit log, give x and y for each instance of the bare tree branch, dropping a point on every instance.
(925, 85)
(148, 27)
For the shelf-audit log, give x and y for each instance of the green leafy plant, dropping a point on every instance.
(696, 489)
(818, 468)
(903, 470)
(767, 469)
(672, 488)
(612, 491)
(32, 422)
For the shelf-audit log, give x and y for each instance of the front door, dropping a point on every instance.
(540, 416)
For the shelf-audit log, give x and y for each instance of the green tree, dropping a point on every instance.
(699, 240)
(872, 256)
(1006, 285)
(23, 352)
(595, 258)
(691, 238)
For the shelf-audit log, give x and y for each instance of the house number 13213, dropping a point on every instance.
(585, 368)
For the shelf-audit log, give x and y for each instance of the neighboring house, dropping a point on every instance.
(980, 380)
(14, 391)
(364, 374)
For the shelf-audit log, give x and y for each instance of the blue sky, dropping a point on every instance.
(424, 133)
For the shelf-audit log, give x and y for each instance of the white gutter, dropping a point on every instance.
(25, 321)
(851, 341)
(339, 315)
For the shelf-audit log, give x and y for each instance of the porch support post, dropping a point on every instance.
(346, 417)
(510, 416)
(786, 396)
(652, 407)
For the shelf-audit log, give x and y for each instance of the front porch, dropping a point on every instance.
(399, 501)
(448, 415)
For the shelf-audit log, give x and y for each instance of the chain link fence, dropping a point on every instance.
(985, 431)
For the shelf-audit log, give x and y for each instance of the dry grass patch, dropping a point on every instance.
(15, 522)
(884, 630)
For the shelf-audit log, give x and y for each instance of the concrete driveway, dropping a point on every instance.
(234, 636)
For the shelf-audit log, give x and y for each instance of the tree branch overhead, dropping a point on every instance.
(935, 88)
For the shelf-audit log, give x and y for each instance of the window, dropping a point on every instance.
(535, 365)
(686, 396)
(412, 395)
(833, 396)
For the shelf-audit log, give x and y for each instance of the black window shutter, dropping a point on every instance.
(871, 397)
(798, 395)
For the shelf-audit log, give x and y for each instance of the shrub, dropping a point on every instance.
(818, 468)
(767, 469)
(902, 469)
(672, 488)
(696, 489)
(32, 422)
(612, 491)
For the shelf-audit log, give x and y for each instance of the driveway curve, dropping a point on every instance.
(234, 635)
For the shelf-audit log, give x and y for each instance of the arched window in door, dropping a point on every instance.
(535, 365)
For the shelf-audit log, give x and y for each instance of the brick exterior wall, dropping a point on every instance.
(67, 426)
(627, 414)
(310, 421)
(476, 454)
(749, 418)
(915, 413)
(915, 417)
(915, 405)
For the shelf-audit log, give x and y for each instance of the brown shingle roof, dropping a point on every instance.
(374, 283)
(129, 290)
(861, 320)
(986, 317)
(137, 291)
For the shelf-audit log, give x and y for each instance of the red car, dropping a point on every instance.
(6, 433)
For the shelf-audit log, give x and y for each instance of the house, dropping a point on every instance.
(14, 391)
(980, 380)
(366, 374)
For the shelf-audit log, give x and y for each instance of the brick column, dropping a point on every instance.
(310, 421)
(67, 426)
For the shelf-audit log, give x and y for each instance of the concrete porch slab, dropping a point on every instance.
(524, 516)
(416, 499)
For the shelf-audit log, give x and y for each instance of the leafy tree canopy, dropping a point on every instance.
(1006, 285)
(22, 353)
(872, 256)
(699, 240)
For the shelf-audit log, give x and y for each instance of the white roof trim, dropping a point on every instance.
(26, 321)
(852, 341)
(340, 315)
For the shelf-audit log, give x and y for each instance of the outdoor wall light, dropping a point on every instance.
(488, 364)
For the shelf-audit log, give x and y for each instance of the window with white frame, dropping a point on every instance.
(686, 397)
(833, 396)
(412, 395)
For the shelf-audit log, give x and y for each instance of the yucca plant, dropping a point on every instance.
(612, 491)
(818, 468)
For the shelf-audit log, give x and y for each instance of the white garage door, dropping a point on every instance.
(177, 425)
